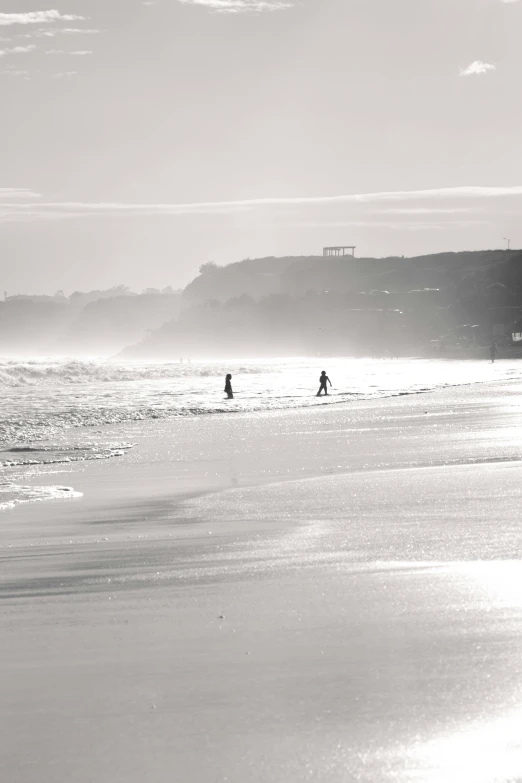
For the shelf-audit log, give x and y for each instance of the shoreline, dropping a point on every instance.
(328, 601)
(165, 465)
(355, 382)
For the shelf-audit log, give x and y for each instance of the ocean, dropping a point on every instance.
(59, 411)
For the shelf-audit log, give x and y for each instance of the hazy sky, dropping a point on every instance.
(140, 139)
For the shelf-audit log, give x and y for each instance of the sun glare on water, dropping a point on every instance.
(486, 752)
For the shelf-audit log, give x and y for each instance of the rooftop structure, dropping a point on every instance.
(341, 250)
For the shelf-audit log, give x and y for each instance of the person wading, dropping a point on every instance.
(323, 380)
(228, 387)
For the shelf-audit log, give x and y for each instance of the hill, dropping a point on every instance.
(311, 305)
(93, 323)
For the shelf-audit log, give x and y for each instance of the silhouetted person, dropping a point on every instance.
(228, 387)
(493, 351)
(323, 381)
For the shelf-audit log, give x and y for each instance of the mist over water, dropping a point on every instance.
(60, 411)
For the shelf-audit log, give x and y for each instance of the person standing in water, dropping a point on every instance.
(228, 387)
(323, 380)
(493, 351)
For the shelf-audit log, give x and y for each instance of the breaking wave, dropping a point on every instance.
(14, 373)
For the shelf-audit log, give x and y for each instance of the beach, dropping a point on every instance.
(329, 593)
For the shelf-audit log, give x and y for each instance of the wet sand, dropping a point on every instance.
(329, 594)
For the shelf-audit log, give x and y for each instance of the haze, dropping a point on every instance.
(142, 139)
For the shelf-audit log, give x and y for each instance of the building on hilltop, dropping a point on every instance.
(339, 250)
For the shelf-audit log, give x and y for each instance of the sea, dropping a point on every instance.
(59, 411)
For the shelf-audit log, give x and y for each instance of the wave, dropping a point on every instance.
(55, 455)
(37, 429)
(55, 398)
(64, 372)
(12, 495)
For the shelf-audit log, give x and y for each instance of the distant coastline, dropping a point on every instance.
(447, 304)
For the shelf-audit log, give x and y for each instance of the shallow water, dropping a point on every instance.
(61, 411)
(339, 599)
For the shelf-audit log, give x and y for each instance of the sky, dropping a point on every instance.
(142, 139)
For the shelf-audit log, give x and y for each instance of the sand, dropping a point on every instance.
(329, 594)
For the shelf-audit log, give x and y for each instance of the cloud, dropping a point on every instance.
(61, 51)
(477, 68)
(17, 50)
(423, 211)
(36, 17)
(53, 31)
(65, 75)
(22, 193)
(10, 71)
(72, 209)
(76, 30)
(240, 6)
(401, 226)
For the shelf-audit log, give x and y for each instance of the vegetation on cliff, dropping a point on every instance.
(344, 306)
